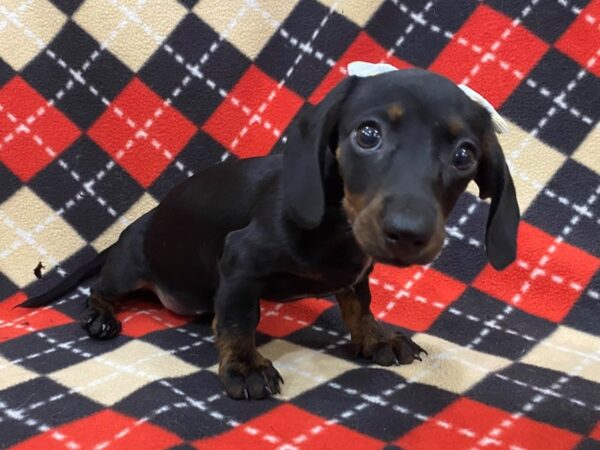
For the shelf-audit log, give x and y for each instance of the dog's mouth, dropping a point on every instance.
(405, 260)
(372, 241)
(366, 225)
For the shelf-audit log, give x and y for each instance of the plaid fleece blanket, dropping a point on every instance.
(107, 104)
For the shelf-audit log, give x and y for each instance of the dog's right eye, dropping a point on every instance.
(464, 157)
(367, 136)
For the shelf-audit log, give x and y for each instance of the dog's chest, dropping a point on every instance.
(325, 274)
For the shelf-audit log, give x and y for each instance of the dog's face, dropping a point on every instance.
(407, 143)
(405, 153)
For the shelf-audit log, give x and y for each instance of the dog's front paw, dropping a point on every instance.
(393, 349)
(244, 380)
(385, 347)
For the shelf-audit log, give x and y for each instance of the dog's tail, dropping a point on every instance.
(69, 283)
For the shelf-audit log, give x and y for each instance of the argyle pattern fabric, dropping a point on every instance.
(107, 104)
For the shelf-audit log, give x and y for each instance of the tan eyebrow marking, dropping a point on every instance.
(395, 112)
(455, 126)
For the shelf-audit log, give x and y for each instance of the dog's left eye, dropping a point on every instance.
(367, 136)
(464, 157)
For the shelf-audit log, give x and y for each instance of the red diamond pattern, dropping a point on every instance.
(142, 133)
(103, 429)
(364, 48)
(581, 41)
(467, 423)
(20, 321)
(142, 317)
(532, 289)
(412, 298)
(282, 319)
(487, 50)
(32, 132)
(254, 113)
(286, 426)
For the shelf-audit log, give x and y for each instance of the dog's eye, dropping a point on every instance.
(368, 136)
(464, 157)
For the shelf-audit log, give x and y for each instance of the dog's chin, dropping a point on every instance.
(386, 257)
(405, 261)
(396, 262)
(374, 246)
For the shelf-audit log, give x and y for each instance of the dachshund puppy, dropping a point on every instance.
(369, 175)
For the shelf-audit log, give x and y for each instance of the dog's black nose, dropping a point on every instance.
(407, 232)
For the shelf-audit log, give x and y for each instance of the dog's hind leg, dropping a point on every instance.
(118, 277)
(122, 273)
(99, 319)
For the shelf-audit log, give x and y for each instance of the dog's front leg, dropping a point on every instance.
(244, 372)
(369, 337)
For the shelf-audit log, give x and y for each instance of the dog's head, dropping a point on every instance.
(406, 144)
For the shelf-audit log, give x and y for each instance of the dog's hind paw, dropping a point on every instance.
(100, 324)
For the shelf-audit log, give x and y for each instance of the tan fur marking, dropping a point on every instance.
(366, 225)
(101, 303)
(353, 204)
(238, 352)
(395, 112)
(437, 240)
(455, 125)
(213, 325)
(365, 332)
(350, 306)
(235, 351)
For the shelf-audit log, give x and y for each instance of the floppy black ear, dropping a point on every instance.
(304, 156)
(494, 180)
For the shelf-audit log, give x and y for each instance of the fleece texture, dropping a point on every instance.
(107, 104)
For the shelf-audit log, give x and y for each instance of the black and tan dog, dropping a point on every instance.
(369, 175)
